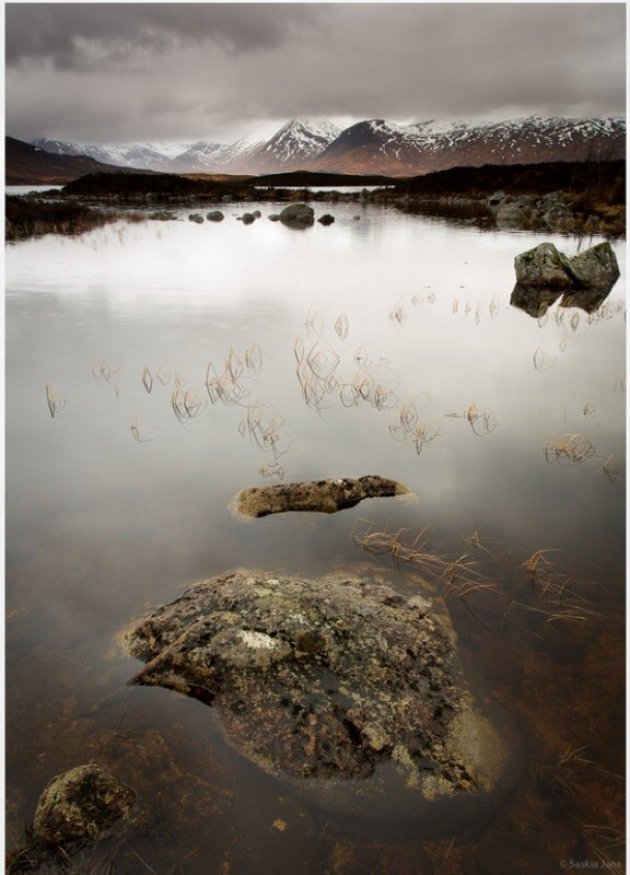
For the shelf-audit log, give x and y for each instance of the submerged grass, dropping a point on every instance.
(538, 588)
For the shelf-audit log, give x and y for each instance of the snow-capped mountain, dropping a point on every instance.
(152, 156)
(374, 146)
(296, 142)
(378, 146)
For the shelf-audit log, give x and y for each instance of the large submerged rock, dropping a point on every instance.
(81, 804)
(323, 496)
(328, 679)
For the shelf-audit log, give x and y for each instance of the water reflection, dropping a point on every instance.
(121, 498)
(536, 301)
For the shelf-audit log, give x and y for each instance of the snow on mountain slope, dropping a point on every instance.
(152, 156)
(378, 146)
(373, 146)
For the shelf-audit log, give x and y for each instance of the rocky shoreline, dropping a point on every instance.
(574, 198)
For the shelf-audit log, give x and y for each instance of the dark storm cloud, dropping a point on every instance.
(215, 71)
(62, 32)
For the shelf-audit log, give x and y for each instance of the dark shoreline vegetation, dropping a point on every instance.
(591, 194)
(26, 217)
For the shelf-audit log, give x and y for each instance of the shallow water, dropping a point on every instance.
(115, 504)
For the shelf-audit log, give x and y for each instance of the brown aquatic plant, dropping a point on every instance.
(163, 376)
(55, 401)
(139, 433)
(568, 449)
(254, 358)
(481, 420)
(612, 468)
(104, 371)
(186, 404)
(341, 326)
(314, 322)
(542, 359)
(273, 470)
(398, 315)
(266, 430)
(147, 380)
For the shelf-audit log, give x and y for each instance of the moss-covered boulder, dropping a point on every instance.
(543, 266)
(328, 679)
(81, 804)
(595, 268)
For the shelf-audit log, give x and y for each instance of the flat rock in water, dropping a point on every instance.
(82, 803)
(323, 496)
(327, 679)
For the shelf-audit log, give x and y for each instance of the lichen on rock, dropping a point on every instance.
(323, 496)
(325, 679)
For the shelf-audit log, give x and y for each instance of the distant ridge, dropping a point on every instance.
(28, 165)
(373, 146)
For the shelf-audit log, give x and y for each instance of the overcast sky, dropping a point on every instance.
(217, 71)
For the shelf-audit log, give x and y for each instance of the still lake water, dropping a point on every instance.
(115, 504)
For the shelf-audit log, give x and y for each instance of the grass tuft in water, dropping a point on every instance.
(55, 401)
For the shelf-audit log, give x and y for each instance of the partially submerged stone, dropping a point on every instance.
(163, 216)
(595, 268)
(81, 804)
(323, 496)
(297, 216)
(215, 216)
(327, 679)
(195, 217)
(326, 219)
(544, 267)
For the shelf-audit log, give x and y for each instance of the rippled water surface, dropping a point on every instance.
(386, 345)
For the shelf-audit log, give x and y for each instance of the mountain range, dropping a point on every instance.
(372, 146)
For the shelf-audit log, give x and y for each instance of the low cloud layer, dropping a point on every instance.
(124, 72)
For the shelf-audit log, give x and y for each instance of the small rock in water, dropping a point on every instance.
(163, 216)
(274, 217)
(323, 496)
(82, 803)
(215, 216)
(195, 217)
(248, 218)
(326, 219)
